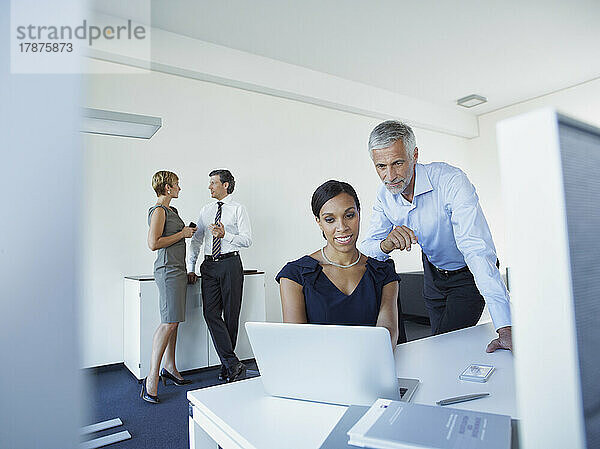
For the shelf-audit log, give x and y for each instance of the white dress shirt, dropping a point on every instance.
(451, 229)
(236, 222)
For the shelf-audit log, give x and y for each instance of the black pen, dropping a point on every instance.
(457, 399)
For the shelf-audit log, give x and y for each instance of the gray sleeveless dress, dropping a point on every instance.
(170, 271)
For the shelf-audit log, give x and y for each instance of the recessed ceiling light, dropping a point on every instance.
(471, 100)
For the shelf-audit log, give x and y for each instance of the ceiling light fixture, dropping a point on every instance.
(471, 100)
(111, 123)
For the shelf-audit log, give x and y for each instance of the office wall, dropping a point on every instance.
(581, 102)
(279, 151)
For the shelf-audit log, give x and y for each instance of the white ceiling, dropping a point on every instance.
(436, 50)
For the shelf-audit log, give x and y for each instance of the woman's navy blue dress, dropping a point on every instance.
(326, 304)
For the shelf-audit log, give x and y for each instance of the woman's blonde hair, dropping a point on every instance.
(161, 179)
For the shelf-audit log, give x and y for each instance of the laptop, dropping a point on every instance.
(347, 365)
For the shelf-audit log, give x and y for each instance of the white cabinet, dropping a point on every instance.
(195, 350)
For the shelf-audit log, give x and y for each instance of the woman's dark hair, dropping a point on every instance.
(331, 189)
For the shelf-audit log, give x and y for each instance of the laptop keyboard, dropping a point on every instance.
(402, 391)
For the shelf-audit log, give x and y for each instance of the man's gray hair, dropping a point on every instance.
(387, 133)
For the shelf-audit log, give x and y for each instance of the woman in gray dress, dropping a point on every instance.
(167, 234)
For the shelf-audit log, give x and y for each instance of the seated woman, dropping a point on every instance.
(337, 284)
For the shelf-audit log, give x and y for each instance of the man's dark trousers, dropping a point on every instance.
(452, 298)
(221, 283)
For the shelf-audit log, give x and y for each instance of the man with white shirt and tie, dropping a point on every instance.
(435, 205)
(224, 226)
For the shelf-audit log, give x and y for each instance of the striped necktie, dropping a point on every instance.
(216, 246)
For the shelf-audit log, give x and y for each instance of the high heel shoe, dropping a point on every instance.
(147, 396)
(164, 374)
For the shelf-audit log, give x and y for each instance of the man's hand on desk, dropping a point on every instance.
(504, 340)
(192, 278)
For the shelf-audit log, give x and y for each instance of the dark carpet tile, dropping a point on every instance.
(115, 393)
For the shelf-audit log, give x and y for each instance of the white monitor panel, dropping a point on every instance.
(550, 167)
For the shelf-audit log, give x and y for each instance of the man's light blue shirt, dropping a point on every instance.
(447, 219)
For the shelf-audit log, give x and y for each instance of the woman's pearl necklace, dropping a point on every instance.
(337, 264)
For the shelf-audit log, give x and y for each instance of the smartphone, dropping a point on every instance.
(192, 224)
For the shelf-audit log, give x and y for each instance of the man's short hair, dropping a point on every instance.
(225, 176)
(387, 133)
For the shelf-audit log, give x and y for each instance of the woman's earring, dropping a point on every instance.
(169, 192)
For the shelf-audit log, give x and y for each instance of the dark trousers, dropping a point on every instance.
(401, 327)
(221, 283)
(452, 300)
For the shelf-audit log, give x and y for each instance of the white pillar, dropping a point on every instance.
(40, 387)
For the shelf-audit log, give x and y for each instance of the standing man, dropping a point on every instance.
(435, 205)
(226, 225)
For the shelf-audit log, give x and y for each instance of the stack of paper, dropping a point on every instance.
(400, 425)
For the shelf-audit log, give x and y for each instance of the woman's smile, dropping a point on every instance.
(343, 240)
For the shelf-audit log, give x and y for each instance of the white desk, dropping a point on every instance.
(438, 361)
(240, 415)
